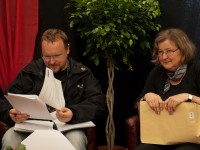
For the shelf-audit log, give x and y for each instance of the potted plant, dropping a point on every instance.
(19, 147)
(114, 30)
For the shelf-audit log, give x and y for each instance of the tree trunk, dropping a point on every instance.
(110, 127)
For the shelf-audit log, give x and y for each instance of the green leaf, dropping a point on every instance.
(117, 42)
(130, 42)
(71, 24)
(21, 147)
(115, 29)
(9, 148)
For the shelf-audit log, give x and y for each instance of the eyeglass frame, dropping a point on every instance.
(168, 52)
(54, 57)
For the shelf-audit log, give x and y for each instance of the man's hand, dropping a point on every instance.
(64, 114)
(17, 116)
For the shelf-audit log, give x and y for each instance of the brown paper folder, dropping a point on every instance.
(181, 127)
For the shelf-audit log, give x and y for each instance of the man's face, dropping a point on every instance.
(55, 55)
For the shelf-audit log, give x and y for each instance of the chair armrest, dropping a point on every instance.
(92, 138)
(133, 132)
(3, 128)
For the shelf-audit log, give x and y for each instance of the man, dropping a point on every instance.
(84, 100)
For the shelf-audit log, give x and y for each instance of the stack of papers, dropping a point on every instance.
(29, 104)
(32, 125)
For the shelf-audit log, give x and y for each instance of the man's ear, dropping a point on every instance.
(68, 48)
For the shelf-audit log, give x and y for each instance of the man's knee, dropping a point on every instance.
(12, 138)
(77, 138)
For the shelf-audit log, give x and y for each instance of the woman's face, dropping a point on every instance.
(169, 55)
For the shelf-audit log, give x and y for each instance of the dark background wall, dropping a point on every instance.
(184, 14)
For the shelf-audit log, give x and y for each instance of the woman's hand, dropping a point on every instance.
(155, 102)
(173, 101)
(17, 116)
(64, 114)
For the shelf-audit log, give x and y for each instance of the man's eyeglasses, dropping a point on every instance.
(54, 57)
(167, 52)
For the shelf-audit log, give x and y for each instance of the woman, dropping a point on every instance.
(174, 80)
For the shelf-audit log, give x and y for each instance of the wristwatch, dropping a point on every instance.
(190, 98)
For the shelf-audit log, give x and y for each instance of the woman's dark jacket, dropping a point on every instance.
(82, 91)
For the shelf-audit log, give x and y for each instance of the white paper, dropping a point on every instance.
(62, 127)
(52, 93)
(35, 106)
(47, 140)
(29, 104)
(32, 125)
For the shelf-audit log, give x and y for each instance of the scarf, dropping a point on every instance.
(180, 72)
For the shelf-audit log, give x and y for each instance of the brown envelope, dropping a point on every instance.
(181, 127)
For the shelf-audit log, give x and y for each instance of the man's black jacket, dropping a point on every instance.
(82, 91)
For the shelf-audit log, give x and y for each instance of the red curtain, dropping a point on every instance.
(18, 30)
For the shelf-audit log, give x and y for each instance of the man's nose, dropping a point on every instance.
(52, 59)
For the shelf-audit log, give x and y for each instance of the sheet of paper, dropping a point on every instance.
(62, 127)
(32, 125)
(52, 93)
(47, 140)
(29, 104)
(65, 126)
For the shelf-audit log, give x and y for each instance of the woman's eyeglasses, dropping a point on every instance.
(167, 52)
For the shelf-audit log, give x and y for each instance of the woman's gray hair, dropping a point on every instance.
(182, 41)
